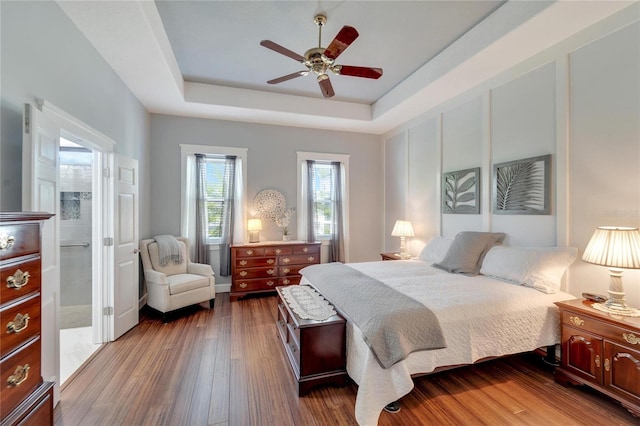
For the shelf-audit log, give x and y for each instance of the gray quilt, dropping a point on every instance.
(393, 324)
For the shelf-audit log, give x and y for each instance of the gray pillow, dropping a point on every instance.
(468, 250)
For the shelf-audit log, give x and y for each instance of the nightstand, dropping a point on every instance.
(600, 351)
(390, 256)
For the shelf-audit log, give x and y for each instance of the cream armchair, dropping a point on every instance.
(175, 286)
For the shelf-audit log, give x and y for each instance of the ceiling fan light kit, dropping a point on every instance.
(321, 61)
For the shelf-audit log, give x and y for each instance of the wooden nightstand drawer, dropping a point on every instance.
(18, 279)
(19, 375)
(20, 322)
(19, 240)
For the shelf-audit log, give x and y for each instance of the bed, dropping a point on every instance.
(480, 316)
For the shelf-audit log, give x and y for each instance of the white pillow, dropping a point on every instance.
(435, 250)
(539, 267)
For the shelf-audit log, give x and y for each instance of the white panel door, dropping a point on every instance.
(125, 294)
(41, 140)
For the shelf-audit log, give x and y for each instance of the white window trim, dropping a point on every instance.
(185, 151)
(302, 179)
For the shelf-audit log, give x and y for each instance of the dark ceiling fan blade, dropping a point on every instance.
(365, 72)
(287, 77)
(282, 50)
(325, 86)
(345, 37)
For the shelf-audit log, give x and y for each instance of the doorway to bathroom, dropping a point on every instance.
(77, 228)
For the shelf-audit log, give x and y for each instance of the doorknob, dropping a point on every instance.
(136, 251)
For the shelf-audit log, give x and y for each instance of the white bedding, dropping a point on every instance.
(480, 317)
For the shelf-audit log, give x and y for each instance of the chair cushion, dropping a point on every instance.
(170, 268)
(181, 283)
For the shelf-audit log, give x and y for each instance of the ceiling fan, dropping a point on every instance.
(320, 61)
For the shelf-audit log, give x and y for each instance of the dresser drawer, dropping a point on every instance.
(291, 270)
(249, 252)
(19, 375)
(291, 280)
(308, 249)
(299, 259)
(19, 240)
(255, 284)
(277, 251)
(20, 322)
(255, 262)
(18, 279)
(266, 272)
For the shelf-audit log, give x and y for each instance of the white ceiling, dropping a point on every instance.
(203, 58)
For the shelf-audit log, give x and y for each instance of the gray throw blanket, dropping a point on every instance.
(393, 324)
(169, 250)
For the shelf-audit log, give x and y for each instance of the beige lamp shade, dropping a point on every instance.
(402, 228)
(614, 247)
(254, 225)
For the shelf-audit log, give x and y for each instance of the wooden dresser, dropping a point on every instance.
(260, 267)
(600, 351)
(24, 398)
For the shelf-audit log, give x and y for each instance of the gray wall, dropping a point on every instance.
(578, 101)
(45, 56)
(272, 162)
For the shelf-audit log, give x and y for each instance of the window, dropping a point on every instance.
(323, 184)
(214, 190)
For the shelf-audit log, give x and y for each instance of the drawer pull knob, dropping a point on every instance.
(286, 260)
(576, 321)
(6, 241)
(19, 376)
(306, 249)
(19, 323)
(598, 361)
(311, 258)
(242, 285)
(270, 261)
(269, 283)
(278, 251)
(18, 280)
(243, 273)
(286, 270)
(631, 338)
(270, 271)
(286, 282)
(243, 262)
(249, 252)
(607, 364)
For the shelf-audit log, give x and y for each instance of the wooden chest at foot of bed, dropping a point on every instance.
(315, 349)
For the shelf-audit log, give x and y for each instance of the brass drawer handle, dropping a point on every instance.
(269, 283)
(19, 323)
(306, 249)
(598, 361)
(249, 252)
(270, 271)
(6, 241)
(19, 376)
(286, 260)
(311, 258)
(631, 338)
(270, 261)
(242, 285)
(243, 262)
(607, 364)
(18, 280)
(285, 282)
(576, 321)
(243, 273)
(286, 270)
(278, 251)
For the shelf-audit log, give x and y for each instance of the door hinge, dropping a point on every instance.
(27, 119)
(106, 172)
(108, 242)
(107, 310)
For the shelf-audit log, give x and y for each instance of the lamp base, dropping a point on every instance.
(624, 311)
(254, 236)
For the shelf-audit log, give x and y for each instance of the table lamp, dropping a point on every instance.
(254, 227)
(403, 229)
(617, 248)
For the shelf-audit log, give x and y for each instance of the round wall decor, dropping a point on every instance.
(270, 203)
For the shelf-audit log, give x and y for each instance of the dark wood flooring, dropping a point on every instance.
(226, 367)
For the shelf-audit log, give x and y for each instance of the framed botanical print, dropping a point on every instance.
(461, 191)
(522, 186)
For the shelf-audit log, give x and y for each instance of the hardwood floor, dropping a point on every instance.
(226, 367)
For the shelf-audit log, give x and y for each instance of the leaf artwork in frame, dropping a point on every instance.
(522, 186)
(461, 191)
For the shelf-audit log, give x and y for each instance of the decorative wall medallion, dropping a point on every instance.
(270, 204)
(461, 191)
(522, 186)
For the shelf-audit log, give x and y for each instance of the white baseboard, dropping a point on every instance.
(223, 288)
